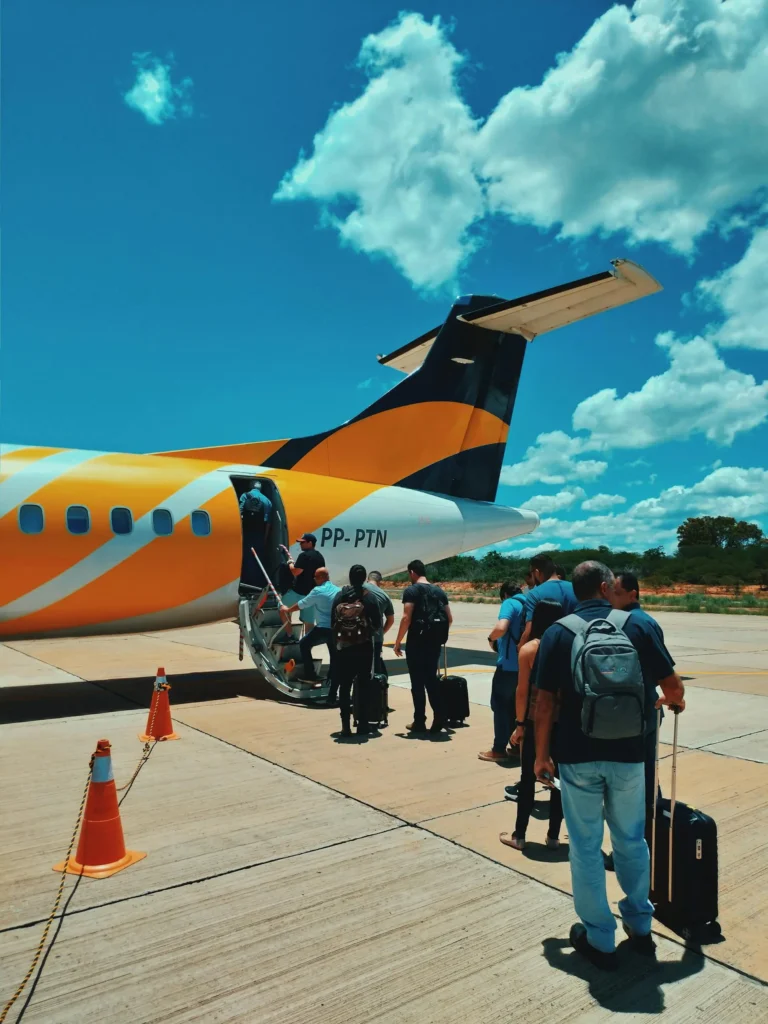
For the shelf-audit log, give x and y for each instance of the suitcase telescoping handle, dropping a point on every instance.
(445, 661)
(672, 802)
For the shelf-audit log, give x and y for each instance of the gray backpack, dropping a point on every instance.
(607, 676)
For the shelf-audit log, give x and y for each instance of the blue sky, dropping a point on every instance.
(158, 295)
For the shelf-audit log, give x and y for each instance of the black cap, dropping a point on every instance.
(308, 536)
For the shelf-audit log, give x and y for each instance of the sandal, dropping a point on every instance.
(512, 840)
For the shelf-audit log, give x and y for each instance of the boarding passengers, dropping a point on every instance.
(320, 600)
(503, 639)
(373, 584)
(256, 514)
(602, 779)
(427, 617)
(545, 614)
(356, 619)
(303, 572)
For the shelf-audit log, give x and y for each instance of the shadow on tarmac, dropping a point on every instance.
(636, 987)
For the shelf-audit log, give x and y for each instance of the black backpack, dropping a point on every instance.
(430, 620)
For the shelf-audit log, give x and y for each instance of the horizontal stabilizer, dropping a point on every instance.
(541, 312)
(557, 307)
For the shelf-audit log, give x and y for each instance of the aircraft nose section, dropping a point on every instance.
(485, 523)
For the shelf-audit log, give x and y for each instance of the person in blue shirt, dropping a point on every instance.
(256, 514)
(548, 587)
(503, 639)
(602, 780)
(320, 599)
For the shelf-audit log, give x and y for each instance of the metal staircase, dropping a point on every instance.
(275, 653)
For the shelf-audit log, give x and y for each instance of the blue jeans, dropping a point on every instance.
(503, 692)
(614, 792)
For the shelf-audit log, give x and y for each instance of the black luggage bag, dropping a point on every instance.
(455, 695)
(377, 710)
(684, 864)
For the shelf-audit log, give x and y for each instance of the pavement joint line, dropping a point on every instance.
(477, 853)
(208, 878)
(727, 739)
(463, 810)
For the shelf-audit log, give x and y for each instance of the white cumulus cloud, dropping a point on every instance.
(553, 460)
(741, 292)
(546, 503)
(654, 125)
(698, 394)
(154, 95)
(601, 502)
(401, 155)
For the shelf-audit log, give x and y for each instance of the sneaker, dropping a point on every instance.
(642, 944)
(603, 961)
(510, 792)
(417, 727)
(437, 726)
(491, 755)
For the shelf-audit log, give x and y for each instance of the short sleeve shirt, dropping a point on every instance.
(414, 595)
(385, 605)
(551, 590)
(513, 610)
(265, 504)
(553, 673)
(307, 561)
(321, 599)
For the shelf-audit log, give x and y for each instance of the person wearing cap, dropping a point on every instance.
(320, 600)
(303, 572)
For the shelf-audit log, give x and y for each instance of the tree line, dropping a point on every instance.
(712, 551)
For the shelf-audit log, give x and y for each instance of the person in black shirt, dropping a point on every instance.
(422, 648)
(353, 661)
(601, 779)
(303, 571)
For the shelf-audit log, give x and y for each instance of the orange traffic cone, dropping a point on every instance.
(159, 724)
(101, 849)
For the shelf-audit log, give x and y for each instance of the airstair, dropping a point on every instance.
(274, 651)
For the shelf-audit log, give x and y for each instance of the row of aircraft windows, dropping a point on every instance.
(32, 520)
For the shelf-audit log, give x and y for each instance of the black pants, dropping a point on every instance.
(316, 636)
(503, 693)
(422, 662)
(251, 574)
(527, 788)
(353, 666)
(379, 666)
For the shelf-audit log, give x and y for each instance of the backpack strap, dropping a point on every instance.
(574, 623)
(618, 618)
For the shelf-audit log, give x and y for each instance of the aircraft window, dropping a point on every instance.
(31, 519)
(122, 520)
(201, 523)
(162, 522)
(78, 519)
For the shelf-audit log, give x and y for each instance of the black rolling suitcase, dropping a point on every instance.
(683, 864)
(377, 710)
(455, 695)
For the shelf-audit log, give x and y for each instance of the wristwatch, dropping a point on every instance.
(520, 725)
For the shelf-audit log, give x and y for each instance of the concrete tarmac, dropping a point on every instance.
(293, 877)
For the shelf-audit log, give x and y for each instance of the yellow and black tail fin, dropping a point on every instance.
(444, 427)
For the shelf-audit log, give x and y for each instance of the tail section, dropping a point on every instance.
(444, 428)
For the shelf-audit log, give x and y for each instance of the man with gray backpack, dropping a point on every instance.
(601, 662)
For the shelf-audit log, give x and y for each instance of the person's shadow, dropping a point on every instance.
(636, 987)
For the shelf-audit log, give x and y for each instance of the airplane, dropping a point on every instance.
(105, 542)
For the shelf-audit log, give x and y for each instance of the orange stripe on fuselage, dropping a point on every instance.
(23, 458)
(436, 430)
(138, 482)
(167, 572)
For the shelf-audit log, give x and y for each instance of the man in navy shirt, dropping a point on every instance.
(503, 639)
(601, 779)
(549, 587)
